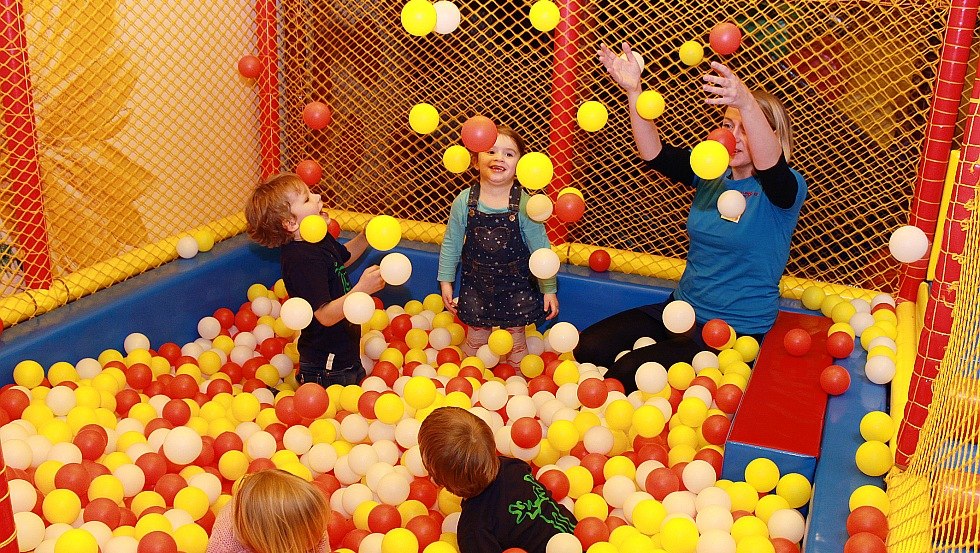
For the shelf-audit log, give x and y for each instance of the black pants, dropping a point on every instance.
(601, 342)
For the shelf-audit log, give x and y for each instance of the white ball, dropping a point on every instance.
(66, 452)
(651, 377)
(731, 204)
(23, 495)
(354, 495)
(89, 368)
(99, 530)
(678, 316)
(643, 342)
(60, 400)
(503, 441)
(207, 483)
(489, 358)
(30, 530)
(563, 543)
(121, 544)
(699, 475)
(883, 298)
(393, 489)
(860, 322)
(492, 395)
(598, 439)
(714, 517)
(617, 488)
(358, 307)
(261, 306)
(132, 343)
(638, 58)
(187, 247)
(412, 460)
(544, 263)
(361, 457)
(713, 495)
(322, 457)
(716, 541)
(517, 388)
(297, 313)
(183, 444)
(788, 524)
(535, 345)
(680, 502)
(297, 439)
(396, 269)
(260, 445)
(568, 395)
(861, 305)
(519, 405)
(704, 360)
(17, 454)
(880, 369)
(447, 17)
(539, 207)
(563, 337)
(208, 328)
(908, 244)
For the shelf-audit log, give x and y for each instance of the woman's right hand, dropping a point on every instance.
(370, 281)
(623, 69)
(447, 296)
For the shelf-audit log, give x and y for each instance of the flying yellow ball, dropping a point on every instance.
(313, 228)
(592, 116)
(423, 118)
(456, 159)
(383, 232)
(710, 159)
(534, 170)
(419, 17)
(691, 53)
(650, 104)
(544, 15)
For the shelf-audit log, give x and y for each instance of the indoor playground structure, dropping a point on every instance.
(147, 352)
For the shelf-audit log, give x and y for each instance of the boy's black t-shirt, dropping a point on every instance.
(515, 510)
(316, 273)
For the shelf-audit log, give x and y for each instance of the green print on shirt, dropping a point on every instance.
(540, 506)
(340, 270)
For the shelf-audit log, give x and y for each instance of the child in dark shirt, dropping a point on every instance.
(503, 505)
(316, 272)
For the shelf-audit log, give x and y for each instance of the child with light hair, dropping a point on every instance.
(503, 505)
(272, 512)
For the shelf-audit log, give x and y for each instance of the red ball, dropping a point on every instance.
(157, 542)
(365, 404)
(14, 402)
(250, 66)
(835, 380)
(337, 528)
(713, 457)
(594, 463)
(865, 542)
(183, 386)
(556, 482)
(661, 482)
(219, 386)
(426, 530)
(479, 133)
(514, 550)
(725, 137)
(592, 392)
(311, 400)
(234, 372)
(840, 345)
(125, 400)
(91, 444)
(728, 397)
(103, 510)
(541, 382)
(177, 412)
(504, 371)
(867, 519)
(725, 38)
(286, 411)
(797, 342)
(138, 376)
(460, 384)
(352, 540)
(154, 466)
(245, 319)
(614, 385)
(656, 452)
(590, 530)
(715, 429)
(333, 227)
(317, 115)
(599, 261)
(423, 490)
(384, 518)
(783, 545)
(168, 485)
(225, 316)
(74, 477)
(613, 522)
(526, 432)
(716, 333)
(310, 171)
(569, 208)
(387, 371)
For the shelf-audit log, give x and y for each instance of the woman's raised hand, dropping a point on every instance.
(729, 89)
(623, 69)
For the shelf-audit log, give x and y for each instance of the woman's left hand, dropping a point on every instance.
(551, 306)
(731, 91)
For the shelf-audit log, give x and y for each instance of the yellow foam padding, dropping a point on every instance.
(906, 341)
(954, 160)
(24, 305)
(793, 287)
(628, 262)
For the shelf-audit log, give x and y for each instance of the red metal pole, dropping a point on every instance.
(563, 80)
(268, 83)
(30, 227)
(950, 81)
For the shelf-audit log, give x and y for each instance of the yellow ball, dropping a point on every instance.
(191, 538)
(768, 505)
(710, 160)
(874, 458)
(399, 540)
(749, 526)
(877, 425)
(544, 15)
(383, 231)
(795, 489)
(842, 312)
(591, 505)
(563, 435)
(418, 17)
(762, 474)
(433, 302)
(650, 104)
(679, 535)
(870, 495)
(648, 516)
(580, 481)
(389, 408)
(755, 544)
(417, 339)
(233, 464)
(691, 53)
(532, 365)
(744, 497)
(76, 540)
(592, 116)
(28, 374)
(619, 465)
(566, 373)
(146, 499)
(448, 502)
(648, 421)
(456, 159)
(680, 375)
(61, 372)
(500, 342)
(256, 290)
(841, 327)
(152, 522)
(535, 170)
(61, 505)
(619, 415)
(205, 239)
(419, 392)
(423, 118)
(193, 500)
(313, 228)
(748, 347)
(692, 411)
(812, 297)
(107, 486)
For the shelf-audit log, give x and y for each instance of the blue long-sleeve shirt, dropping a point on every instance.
(452, 243)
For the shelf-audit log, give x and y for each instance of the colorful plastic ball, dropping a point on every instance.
(725, 38)
(423, 118)
(762, 474)
(797, 342)
(908, 244)
(456, 159)
(569, 208)
(30, 531)
(333, 227)
(872, 495)
(396, 269)
(874, 458)
(250, 66)
(479, 133)
(709, 160)
(835, 380)
(418, 17)
(447, 17)
(865, 542)
(691, 53)
(589, 530)
(795, 489)
(678, 316)
(383, 231)
(599, 261)
(563, 337)
(544, 15)
(309, 171)
(731, 204)
(61, 506)
(539, 207)
(877, 425)
(317, 115)
(296, 313)
(650, 104)
(28, 374)
(544, 263)
(716, 333)
(592, 116)
(725, 137)
(534, 170)
(313, 228)
(867, 519)
(311, 400)
(76, 540)
(840, 345)
(592, 393)
(526, 432)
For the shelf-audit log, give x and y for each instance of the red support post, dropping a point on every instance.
(563, 81)
(268, 83)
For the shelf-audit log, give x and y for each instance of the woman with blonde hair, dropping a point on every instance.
(273, 511)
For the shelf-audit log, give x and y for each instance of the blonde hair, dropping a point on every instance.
(267, 209)
(277, 512)
(778, 118)
(458, 450)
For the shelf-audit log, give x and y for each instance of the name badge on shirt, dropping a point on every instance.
(732, 219)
